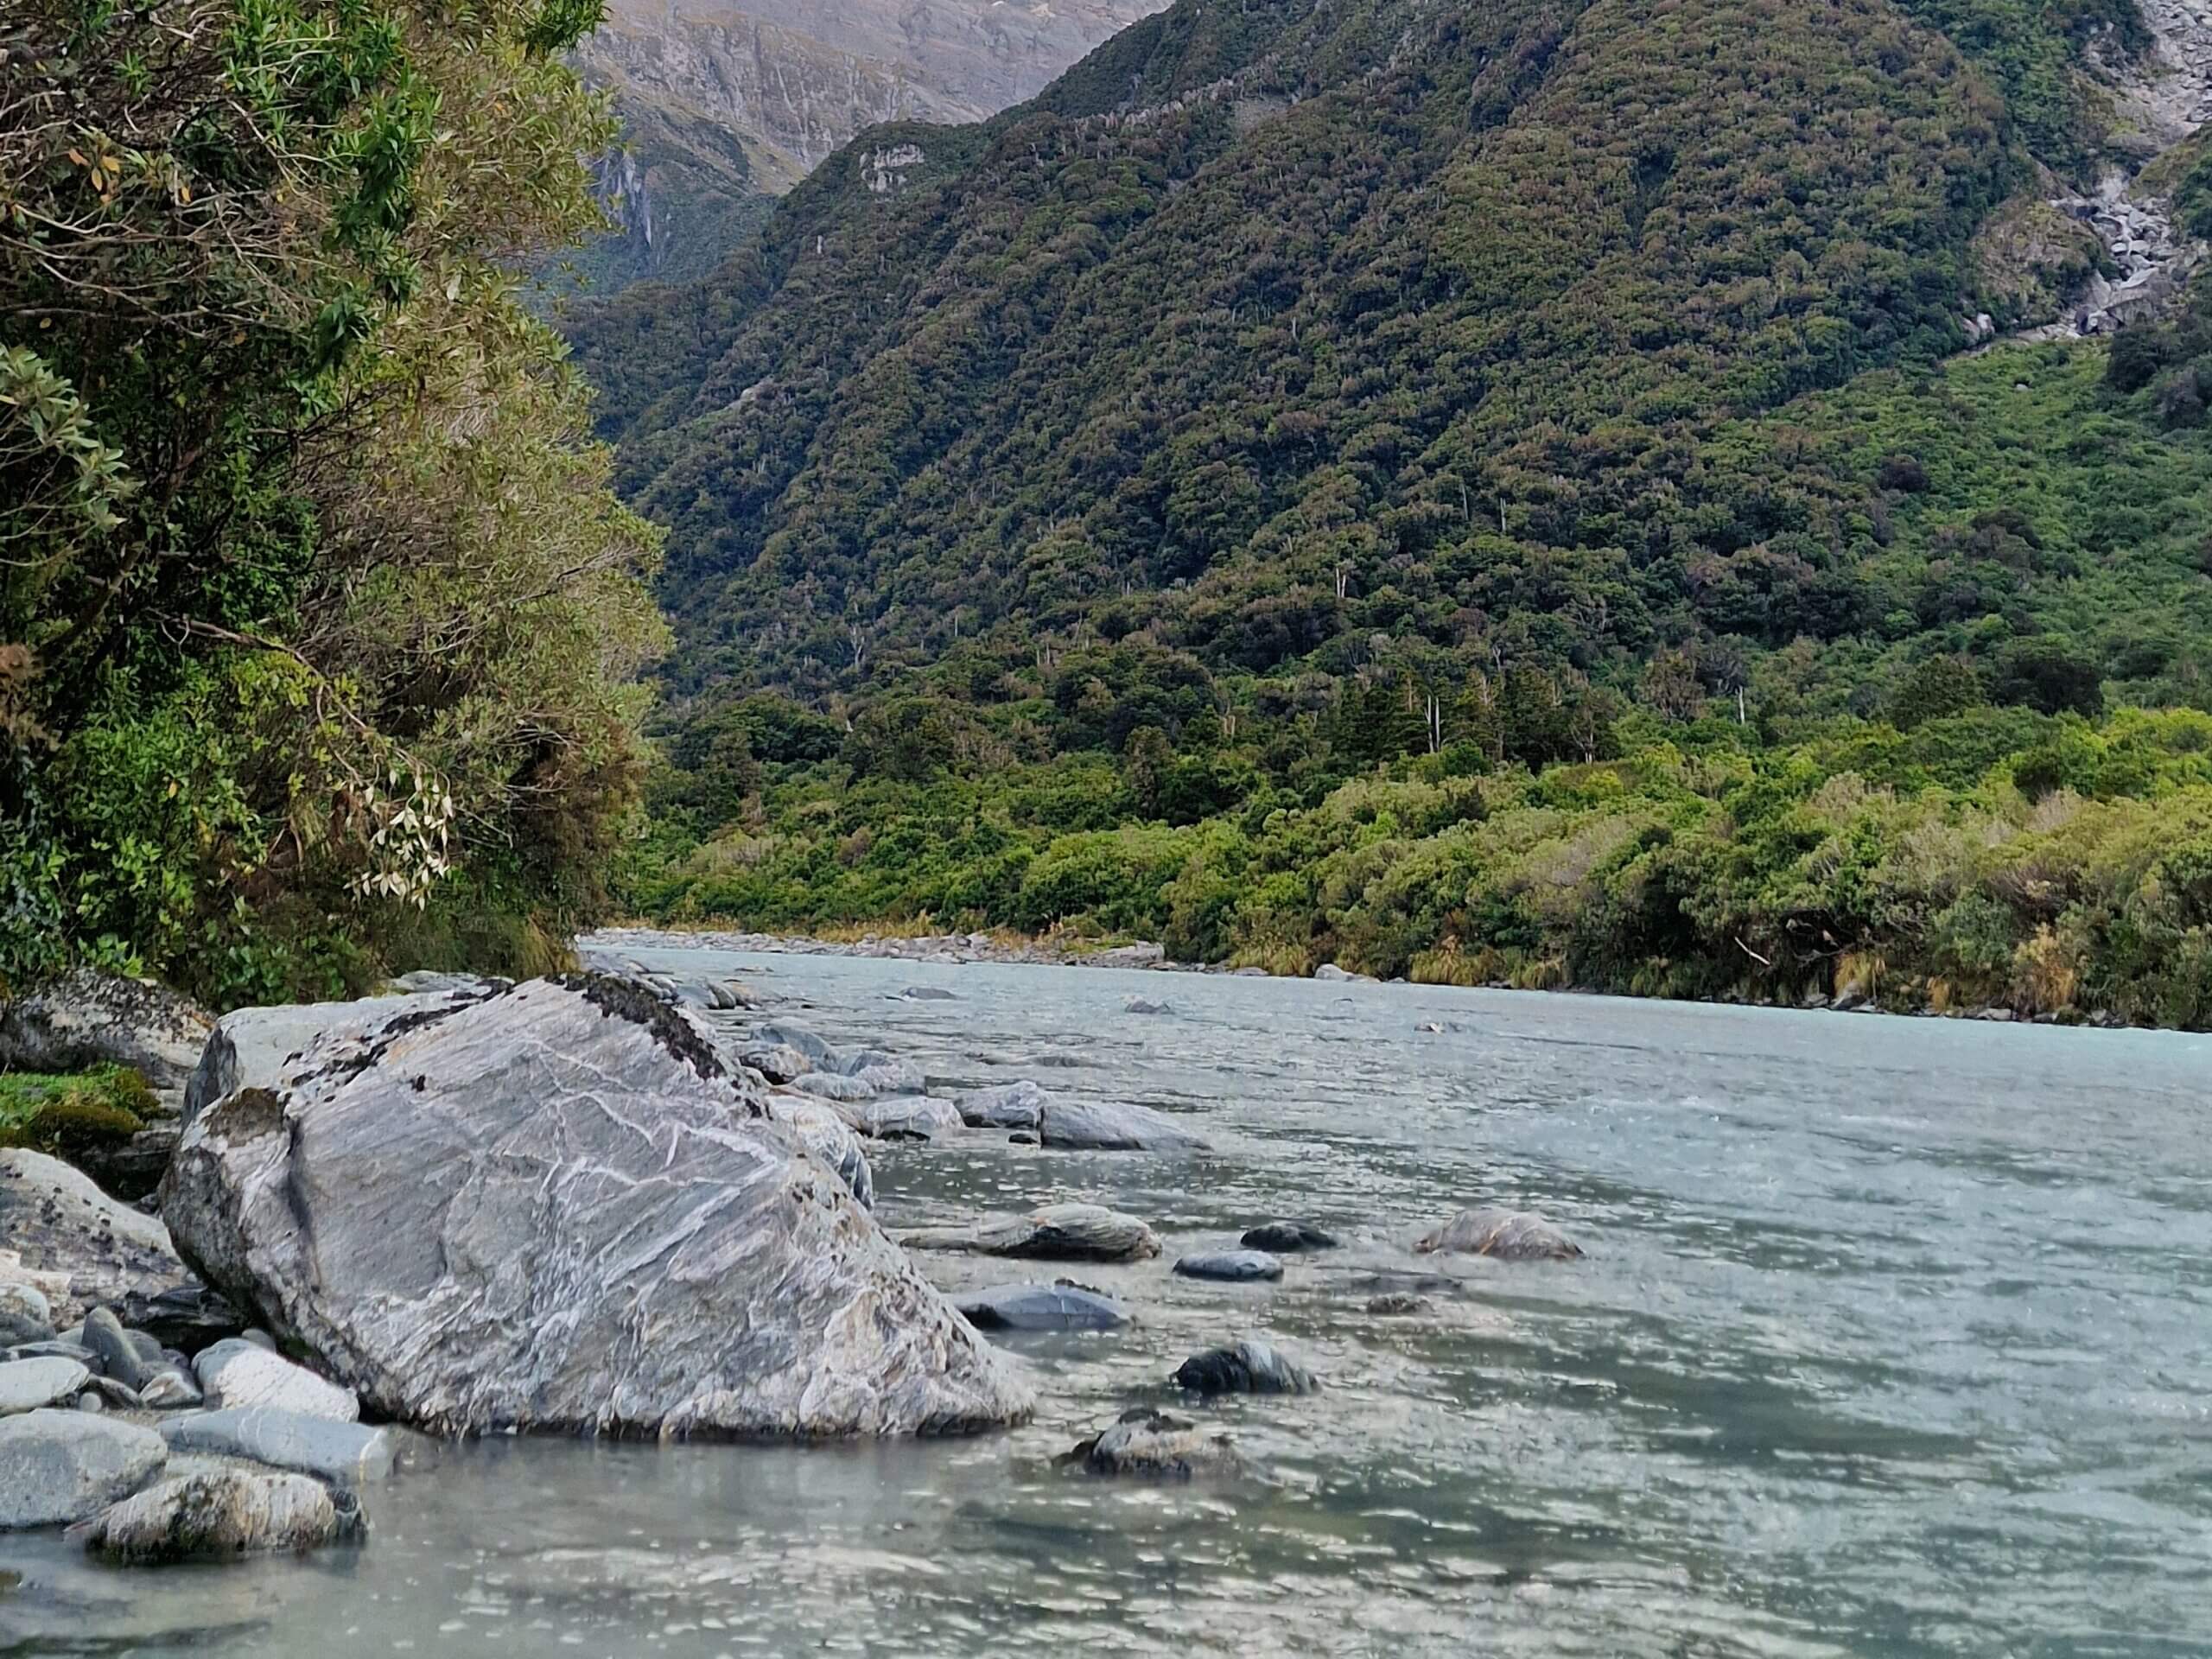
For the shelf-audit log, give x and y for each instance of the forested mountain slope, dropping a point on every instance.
(1584, 414)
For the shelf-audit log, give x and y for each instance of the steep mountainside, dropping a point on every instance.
(1274, 332)
(725, 108)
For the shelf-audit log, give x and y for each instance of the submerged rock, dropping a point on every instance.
(1232, 1265)
(350, 1452)
(220, 1514)
(929, 994)
(1041, 1307)
(1008, 1106)
(1397, 1302)
(1511, 1235)
(88, 1249)
(1098, 1126)
(27, 1384)
(60, 1466)
(86, 1019)
(241, 1373)
(1145, 1442)
(1288, 1238)
(1062, 1232)
(557, 1208)
(1142, 1005)
(1248, 1366)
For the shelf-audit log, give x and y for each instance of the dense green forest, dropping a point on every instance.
(1489, 493)
(319, 627)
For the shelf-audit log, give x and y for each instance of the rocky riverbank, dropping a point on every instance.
(571, 1205)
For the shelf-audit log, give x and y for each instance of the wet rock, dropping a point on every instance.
(1234, 1265)
(823, 1131)
(891, 1077)
(1022, 1138)
(219, 1514)
(236, 1373)
(1395, 1302)
(27, 1384)
(918, 1117)
(1142, 1005)
(1094, 1126)
(557, 1208)
(64, 1228)
(1511, 1235)
(1329, 970)
(1288, 1238)
(1041, 1307)
(60, 1466)
(835, 1085)
(86, 1019)
(348, 1453)
(777, 1062)
(1060, 1232)
(929, 994)
(1248, 1366)
(1147, 1443)
(1008, 1106)
(785, 1034)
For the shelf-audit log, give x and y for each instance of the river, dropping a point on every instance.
(1894, 1337)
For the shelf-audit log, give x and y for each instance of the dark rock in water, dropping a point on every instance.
(1062, 1232)
(1511, 1235)
(1249, 1367)
(85, 1019)
(1097, 1126)
(349, 1452)
(1391, 1283)
(1009, 1106)
(1152, 1444)
(929, 994)
(118, 1357)
(60, 1466)
(557, 1208)
(108, 1252)
(1230, 1265)
(1397, 1302)
(1140, 1005)
(1041, 1307)
(1288, 1238)
(221, 1514)
(1022, 1138)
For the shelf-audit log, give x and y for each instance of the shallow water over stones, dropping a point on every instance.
(1890, 1340)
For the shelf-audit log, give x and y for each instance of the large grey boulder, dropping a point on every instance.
(236, 1373)
(1288, 1238)
(27, 1384)
(910, 1116)
(557, 1208)
(777, 1062)
(1062, 1232)
(350, 1452)
(1509, 1235)
(87, 1249)
(265, 1048)
(1008, 1106)
(219, 1514)
(785, 1034)
(86, 1019)
(835, 1085)
(60, 1466)
(1097, 1126)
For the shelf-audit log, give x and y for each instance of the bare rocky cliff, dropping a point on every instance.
(726, 108)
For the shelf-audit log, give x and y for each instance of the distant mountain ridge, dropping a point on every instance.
(727, 107)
